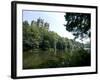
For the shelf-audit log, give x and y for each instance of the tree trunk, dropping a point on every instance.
(55, 47)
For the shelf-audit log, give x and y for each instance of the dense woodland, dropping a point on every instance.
(43, 48)
(38, 36)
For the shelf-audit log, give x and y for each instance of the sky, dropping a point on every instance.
(56, 21)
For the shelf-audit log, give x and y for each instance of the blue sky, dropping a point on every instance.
(55, 19)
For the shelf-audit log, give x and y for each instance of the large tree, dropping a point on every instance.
(79, 24)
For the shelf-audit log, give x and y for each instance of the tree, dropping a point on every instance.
(54, 39)
(45, 39)
(79, 24)
(25, 24)
(45, 45)
(31, 36)
(26, 43)
(61, 43)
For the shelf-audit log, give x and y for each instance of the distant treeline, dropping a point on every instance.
(38, 36)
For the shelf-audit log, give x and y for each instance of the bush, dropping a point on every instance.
(80, 58)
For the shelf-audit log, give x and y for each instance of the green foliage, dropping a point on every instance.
(40, 46)
(80, 57)
(61, 44)
(44, 45)
(35, 37)
(78, 24)
(31, 37)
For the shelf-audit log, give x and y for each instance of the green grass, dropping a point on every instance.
(34, 59)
